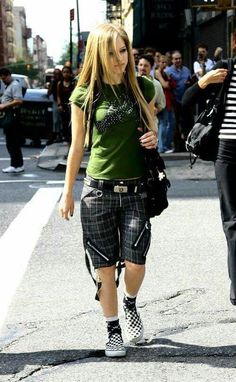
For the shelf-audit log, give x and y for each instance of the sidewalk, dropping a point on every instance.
(55, 155)
(55, 331)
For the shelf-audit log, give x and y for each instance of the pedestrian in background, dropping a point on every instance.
(114, 221)
(183, 121)
(146, 62)
(52, 91)
(64, 89)
(136, 57)
(225, 165)
(166, 117)
(203, 64)
(11, 100)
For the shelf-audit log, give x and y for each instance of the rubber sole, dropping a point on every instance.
(115, 353)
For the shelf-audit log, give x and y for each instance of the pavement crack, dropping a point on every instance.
(30, 374)
(16, 340)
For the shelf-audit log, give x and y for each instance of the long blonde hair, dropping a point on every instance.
(96, 65)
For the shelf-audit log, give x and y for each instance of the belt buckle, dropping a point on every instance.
(120, 189)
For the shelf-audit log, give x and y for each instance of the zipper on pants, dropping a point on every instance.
(140, 236)
(90, 245)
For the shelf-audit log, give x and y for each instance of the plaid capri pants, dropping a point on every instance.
(115, 226)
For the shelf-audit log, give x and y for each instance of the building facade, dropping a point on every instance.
(168, 25)
(7, 33)
(40, 58)
(22, 34)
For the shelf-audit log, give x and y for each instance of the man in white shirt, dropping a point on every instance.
(203, 64)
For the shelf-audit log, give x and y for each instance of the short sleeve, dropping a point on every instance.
(16, 91)
(78, 96)
(148, 89)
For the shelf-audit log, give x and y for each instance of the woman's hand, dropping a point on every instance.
(66, 206)
(148, 140)
(213, 77)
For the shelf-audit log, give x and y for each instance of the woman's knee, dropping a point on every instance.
(107, 274)
(135, 268)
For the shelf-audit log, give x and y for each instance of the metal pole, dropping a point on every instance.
(78, 26)
(71, 46)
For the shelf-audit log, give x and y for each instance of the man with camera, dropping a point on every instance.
(203, 64)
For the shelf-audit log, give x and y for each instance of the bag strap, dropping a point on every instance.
(90, 114)
(221, 96)
(150, 154)
(230, 64)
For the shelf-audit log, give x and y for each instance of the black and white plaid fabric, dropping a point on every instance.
(115, 226)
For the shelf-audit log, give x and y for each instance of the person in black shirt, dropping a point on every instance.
(64, 90)
(225, 164)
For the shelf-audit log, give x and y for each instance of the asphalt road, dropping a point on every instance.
(53, 330)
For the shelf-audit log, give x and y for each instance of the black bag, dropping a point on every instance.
(202, 141)
(7, 118)
(156, 183)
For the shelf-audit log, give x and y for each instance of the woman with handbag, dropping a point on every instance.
(209, 86)
(107, 110)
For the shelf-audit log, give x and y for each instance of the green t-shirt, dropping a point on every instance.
(116, 151)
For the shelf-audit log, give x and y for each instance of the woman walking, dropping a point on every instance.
(115, 226)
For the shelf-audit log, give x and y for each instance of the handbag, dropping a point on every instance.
(7, 118)
(156, 183)
(202, 141)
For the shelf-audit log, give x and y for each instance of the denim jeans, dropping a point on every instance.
(165, 130)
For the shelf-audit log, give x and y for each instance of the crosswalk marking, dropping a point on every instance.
(19, 241)
(7, 158)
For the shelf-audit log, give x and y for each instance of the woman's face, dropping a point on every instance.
(66, 73)
(162, 63)
(118, 59)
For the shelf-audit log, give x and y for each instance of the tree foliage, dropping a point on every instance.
(26, 68)
(65, 57)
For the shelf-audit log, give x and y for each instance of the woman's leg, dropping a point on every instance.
(101, 242)
(162, 131)
(170, 129)
(109, 304)
(135, 234)
(226, 182)
(134, 275)
(108, 291)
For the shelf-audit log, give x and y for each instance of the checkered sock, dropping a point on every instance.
(129, 302)
(113, 326)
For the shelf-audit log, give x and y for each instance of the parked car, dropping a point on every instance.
(23, 81)
(36, 115)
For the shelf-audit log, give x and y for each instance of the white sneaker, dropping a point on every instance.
(11, 169)
(169, 151)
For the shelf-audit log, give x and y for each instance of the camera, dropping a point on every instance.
(200, 56)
